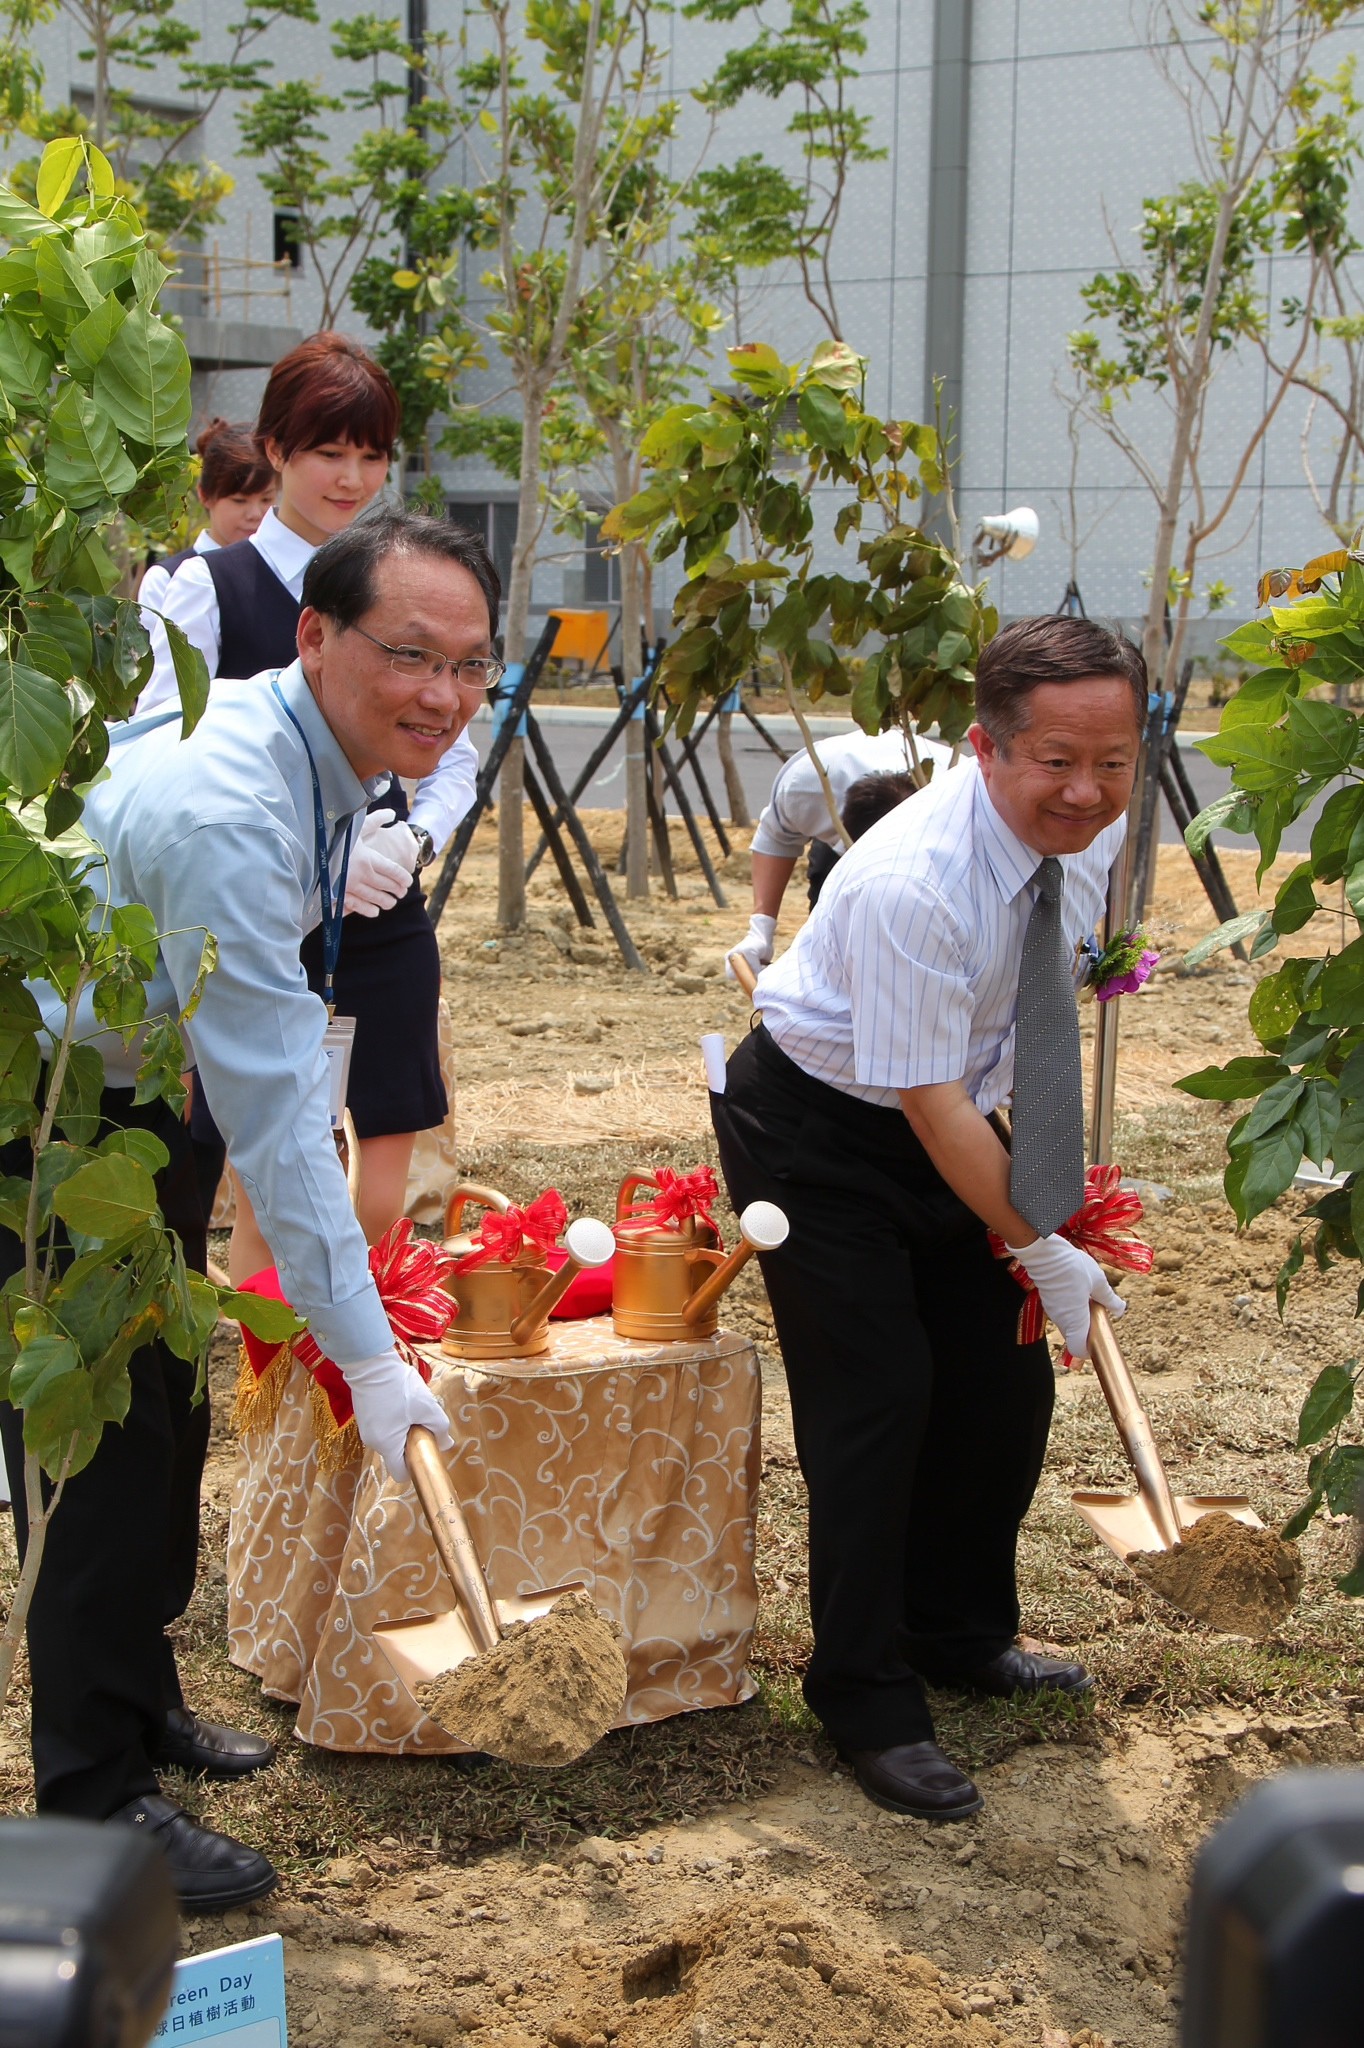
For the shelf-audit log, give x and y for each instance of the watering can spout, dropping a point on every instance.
(588, 1243)
(762, 1227)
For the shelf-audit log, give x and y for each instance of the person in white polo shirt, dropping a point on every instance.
(796, 819)
(932, 984)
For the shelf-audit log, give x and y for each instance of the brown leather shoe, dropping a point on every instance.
(914, 1777)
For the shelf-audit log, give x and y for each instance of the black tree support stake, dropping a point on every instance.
(629, 952)
(573, 888)
(688, 816)
(691, 756)
(490, 770)
(595, 759)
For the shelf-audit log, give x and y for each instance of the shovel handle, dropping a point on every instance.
(743, 973)
(450, 1533)
(1133, 1426)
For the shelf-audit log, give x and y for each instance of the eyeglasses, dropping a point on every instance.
(423, 664)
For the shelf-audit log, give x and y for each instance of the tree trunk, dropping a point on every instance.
(735, 796)
(511, 837)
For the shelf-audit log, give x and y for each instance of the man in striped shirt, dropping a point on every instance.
(862, 1104)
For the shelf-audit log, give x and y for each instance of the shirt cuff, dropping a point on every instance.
(770, 839)
(350, 1331)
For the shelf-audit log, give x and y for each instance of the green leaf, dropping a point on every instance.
(78, 1114)
(1296, 903)
(163, 1065)
(1260, 757)
(1271, 1162)
(1259, 701)
(57, 172)
(1299, 1523)
(35, 727)
(1317, 1119)
(1234, 1082)
(191, 1320)
(1351, 1583)
(1274, 1107)
(108, 1197)
(1288, 1273)
(50, 1384)
(142, 381)
(86, 461)
(1201, 828)
(88, 342)
(1329, 1400)
(822, 415)
(1342, 986)
(759, 367)
(274, 1321)
(1250, 923)
(1325, 736)
(143, 1146)
(191, 676)
(1274, 1009)
(1343, 1480)
(26, 367)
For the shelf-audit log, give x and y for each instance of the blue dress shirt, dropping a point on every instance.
(217, 832)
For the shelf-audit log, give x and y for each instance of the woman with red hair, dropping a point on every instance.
(327, 426)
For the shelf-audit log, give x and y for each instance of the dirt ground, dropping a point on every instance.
(719, 1882)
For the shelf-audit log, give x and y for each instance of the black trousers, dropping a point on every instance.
(920, 1421)
(820, 864)
(123, 1546)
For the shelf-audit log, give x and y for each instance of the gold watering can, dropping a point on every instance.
(504, 1309)
(669, 1277)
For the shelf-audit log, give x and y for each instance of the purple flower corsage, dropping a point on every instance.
(1117, 969)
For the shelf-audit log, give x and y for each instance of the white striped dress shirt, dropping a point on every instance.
(906, 973)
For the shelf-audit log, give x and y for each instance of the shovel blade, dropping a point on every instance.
(426, 1645)
(1125, 1523)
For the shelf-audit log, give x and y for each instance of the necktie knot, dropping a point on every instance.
(1049, 878)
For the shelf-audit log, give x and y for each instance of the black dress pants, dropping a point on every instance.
(123, 1546)
(920, 1421)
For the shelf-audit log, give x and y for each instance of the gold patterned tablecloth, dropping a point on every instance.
(631, 1467)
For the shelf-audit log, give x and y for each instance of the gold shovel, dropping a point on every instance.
(423, 1647)
(1152, 1518)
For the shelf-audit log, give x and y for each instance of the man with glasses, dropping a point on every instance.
(242, 830)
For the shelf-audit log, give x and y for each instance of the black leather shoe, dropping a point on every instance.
(914, 1777)
(1016, 1670)
(207, 1751)
(211, 1873)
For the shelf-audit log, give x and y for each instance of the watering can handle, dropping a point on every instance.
(638, 1177)
(472, 1191)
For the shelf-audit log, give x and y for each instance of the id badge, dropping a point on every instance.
(338, 1043)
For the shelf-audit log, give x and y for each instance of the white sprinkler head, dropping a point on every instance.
(588, 1242)
(764, 1226)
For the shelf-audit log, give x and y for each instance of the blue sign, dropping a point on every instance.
(231, 1994)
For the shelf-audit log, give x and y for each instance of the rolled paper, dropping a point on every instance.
(713, 1056)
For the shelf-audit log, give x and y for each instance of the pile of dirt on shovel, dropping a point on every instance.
(769, 1973)
(549, 1690)
(1243, 1581)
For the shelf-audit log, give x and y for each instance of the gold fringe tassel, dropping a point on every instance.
(336, 1448)
(257, 1400)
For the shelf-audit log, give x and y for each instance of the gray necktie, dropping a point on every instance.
(1047, 1171)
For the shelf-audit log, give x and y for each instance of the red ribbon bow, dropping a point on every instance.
(1099, 1227)
(679, 1196)
(409, 1273)
(504, 1236)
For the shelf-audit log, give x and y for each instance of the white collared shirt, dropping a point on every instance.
(906, 973)
(798, 810)
(218, 833)
(191, 599)
(156, 582)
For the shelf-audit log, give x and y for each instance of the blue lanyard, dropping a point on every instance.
(332, 906)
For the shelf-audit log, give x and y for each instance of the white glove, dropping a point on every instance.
(389, 1395)
(755, 945)
(1068, 1280)
(377, 877)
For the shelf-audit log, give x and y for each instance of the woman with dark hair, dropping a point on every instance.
(327, 425)
(236, 488)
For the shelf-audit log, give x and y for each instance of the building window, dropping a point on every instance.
(288, 246)
(494, 521)
(601, 571)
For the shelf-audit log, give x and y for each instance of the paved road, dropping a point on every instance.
(572, 736)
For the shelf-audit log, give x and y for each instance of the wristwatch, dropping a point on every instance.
(426, 848)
